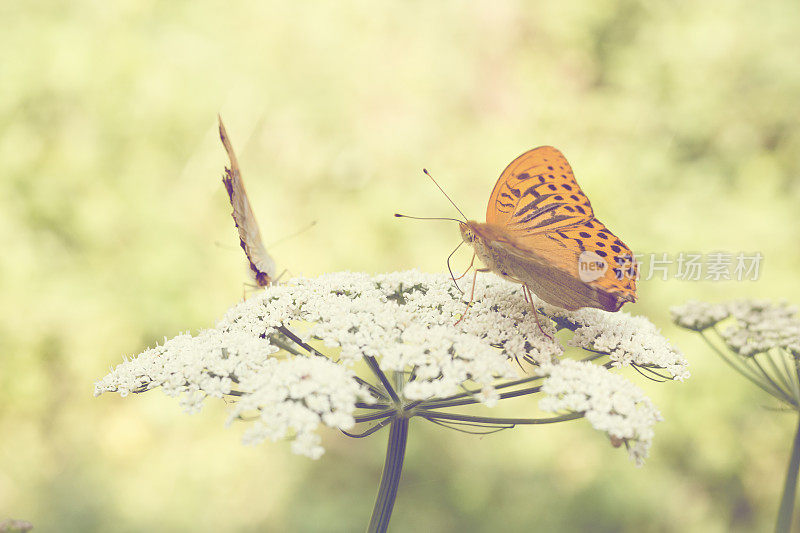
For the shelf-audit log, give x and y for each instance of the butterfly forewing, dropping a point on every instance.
(537, 193)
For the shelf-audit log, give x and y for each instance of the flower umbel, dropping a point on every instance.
(609, 402)
(761, 341)
(293, 359)
(759, 325)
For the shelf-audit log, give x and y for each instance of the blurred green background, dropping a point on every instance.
(680, 119)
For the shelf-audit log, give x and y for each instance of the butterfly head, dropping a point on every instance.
(263, 279)
(477, 233)
(468, 233)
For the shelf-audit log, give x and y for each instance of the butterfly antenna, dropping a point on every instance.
(425, 170)
(398, 215)
(295, 234)
(450, 269)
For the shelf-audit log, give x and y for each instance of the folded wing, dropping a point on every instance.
(262, 265)
(588, 252)
(537, 193)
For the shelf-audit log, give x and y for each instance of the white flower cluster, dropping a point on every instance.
(292, 397)
(627, 339)
(759, 326)
(610, 402)
(697, 315)
(288, 397)
(405, 321)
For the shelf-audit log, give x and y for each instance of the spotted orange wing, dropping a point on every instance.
(537, 193)
(540, 204)
(573, 248)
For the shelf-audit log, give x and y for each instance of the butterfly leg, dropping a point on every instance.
(472, 294)
(468, 268)
(526, 289)
(248, 287)
(276, 280)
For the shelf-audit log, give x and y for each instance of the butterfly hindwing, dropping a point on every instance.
(615, 270)
(537, 193)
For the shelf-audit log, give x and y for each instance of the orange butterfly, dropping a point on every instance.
(541, 231)
(262, 266)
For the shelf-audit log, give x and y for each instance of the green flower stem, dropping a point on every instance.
(743, 370)
(376, 369)
(374, 429)
(786, 395)
(597, 355)
(277, 341)
(373, 406)
(778, 373)
(505, 385)
(791, 373)
(375, 391)
(789, 487)
(374, 416)
(298, 341)
(390, 478)
(469, 401)
(496, 421)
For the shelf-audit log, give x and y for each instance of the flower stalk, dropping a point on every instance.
(390, 478)
(786, 508)
(762, 344)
